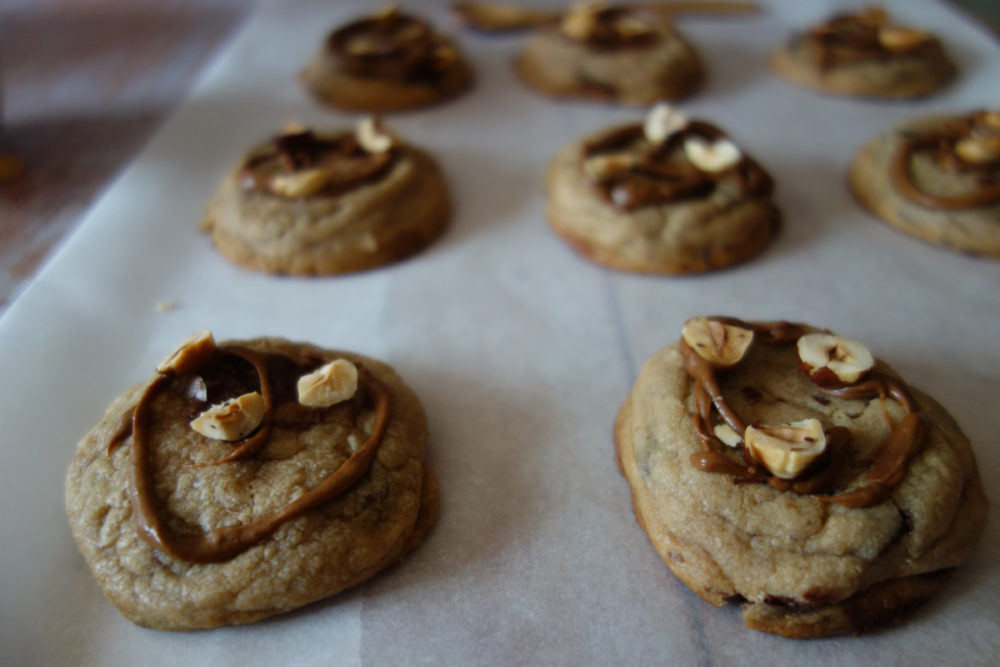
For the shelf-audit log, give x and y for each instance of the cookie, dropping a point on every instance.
(865, 55)
(672, 196)
(625, 55)
(249, 478)
(391, 61)
(785, 468)
(936, 178)
(310, 203)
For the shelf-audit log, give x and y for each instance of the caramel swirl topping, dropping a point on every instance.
(850, 38)
(967, 146)
(610, 28)
(628, 171)
(223, 375)
(888, 463)
(302, 164)
(391, 45)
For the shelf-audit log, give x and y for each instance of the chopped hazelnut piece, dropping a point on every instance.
(232, 420)
(329, 384)
(373, 136)
(786, 451)
(978, 150)
(901, 39)
(721, 345)
(300, 183)
(727, 435)
(833, 361)
(662, 122)
(712, 156)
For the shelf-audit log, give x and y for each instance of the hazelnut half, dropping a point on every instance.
(329, 384)
(300, 183)
(786, 451)
(978, 150)
(580, 21)
(712, 156)
(193, 352)
(663, 121)
(901, 39)
(728, 435)
(721, 345)
(232, 420)
(833, 361)
(373, 136)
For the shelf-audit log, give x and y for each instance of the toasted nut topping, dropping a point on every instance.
(901, 39)
(786, 450)
(991, 119)
(728, 435)
(663, 120)
(978, 150)
(603, 166)
(328, 385)
(719, 344)
(834, 361)
(581, 20)
(630, 26)
(190, 355)
(712, 156)
(233, 420)
(301, 183)
(373, 137)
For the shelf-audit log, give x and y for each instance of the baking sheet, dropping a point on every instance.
(521, 352)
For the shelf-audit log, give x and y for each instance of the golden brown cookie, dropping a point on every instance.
(247, 479)
(865, 55)
(387, 62)
(628, 55)
(671, 197)
(936, 178)
(787, 469)
(325, 203)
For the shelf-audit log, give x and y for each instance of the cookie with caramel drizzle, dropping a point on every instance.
(187, 531)
(322, 203)
(386, 62)
(864, 54)
(851, 541)
(625, 54)
(936, 178)
(687, 202)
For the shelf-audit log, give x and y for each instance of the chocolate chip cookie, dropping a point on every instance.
(309, 203)
(865, 55)
(936, 178)
(621, 54)
(387, 62)
(249, 478)
(671, 196)
(785, 468)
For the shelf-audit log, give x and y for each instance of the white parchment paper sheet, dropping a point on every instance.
(521, 351)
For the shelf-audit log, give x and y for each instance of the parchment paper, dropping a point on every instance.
(521, 352)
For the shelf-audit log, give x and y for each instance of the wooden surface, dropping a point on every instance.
(85, 85)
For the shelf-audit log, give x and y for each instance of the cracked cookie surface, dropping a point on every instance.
(335, 545)
(802, 567)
